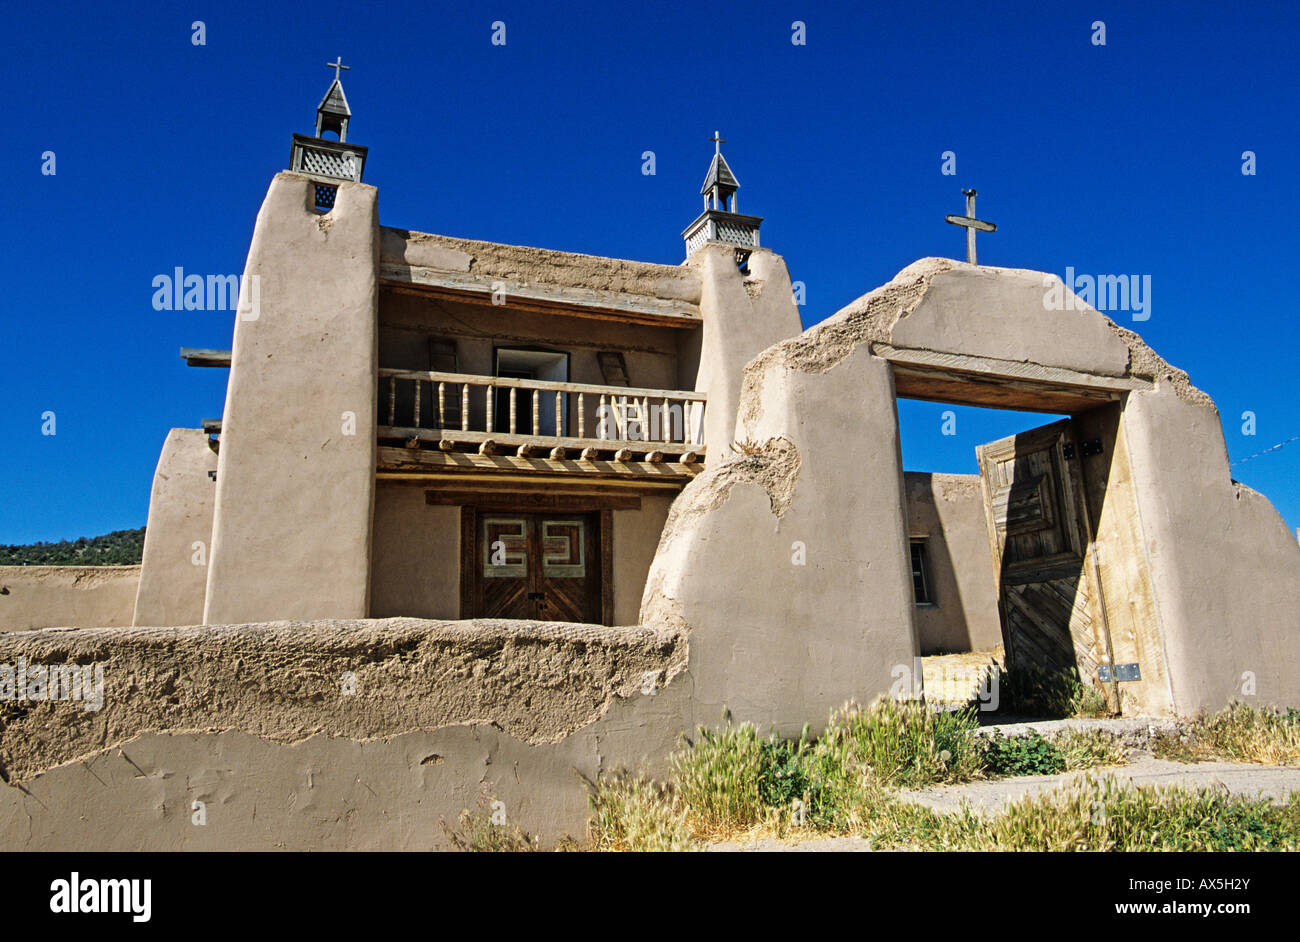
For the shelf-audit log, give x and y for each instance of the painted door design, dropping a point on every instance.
(1053, 615)
(544, 567)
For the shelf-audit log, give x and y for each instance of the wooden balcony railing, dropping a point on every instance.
(575, 419)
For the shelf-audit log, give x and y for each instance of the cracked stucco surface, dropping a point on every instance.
(283, 681)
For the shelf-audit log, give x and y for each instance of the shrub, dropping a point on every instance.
(1030, 754)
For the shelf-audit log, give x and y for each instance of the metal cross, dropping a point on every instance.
(970, 223)
(336, 65)
(718, 140)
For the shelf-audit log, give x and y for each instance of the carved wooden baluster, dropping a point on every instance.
(513, 421)
(537, 422)
(442, 405)
(489, 399)
(602, 417)
(464, 407)
(417, 403)
(559, 414)
(392, 400)
(582, 419)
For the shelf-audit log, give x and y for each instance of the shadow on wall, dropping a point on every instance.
(946, 517)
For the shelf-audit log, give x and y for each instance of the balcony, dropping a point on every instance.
(449, 423)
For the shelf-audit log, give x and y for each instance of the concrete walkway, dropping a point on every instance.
(1270, 781)
(1240, 778)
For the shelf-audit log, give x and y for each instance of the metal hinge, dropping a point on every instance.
(1121, 672)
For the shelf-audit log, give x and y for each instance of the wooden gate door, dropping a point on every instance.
(1053, 614)
(543, 567)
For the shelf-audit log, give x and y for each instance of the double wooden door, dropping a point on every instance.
(1049, 588)
(536, 566)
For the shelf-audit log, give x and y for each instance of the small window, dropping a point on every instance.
(325, 196)
(920, 578)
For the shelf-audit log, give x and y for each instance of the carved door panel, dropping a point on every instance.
(1049, 597)
(543, 567)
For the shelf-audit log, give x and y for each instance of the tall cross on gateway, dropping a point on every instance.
(718, 140)
(336, 65)
(970, 223)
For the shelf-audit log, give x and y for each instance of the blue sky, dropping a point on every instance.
(1117, 159)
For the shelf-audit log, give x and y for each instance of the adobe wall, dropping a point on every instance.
(743, 316)
(786, 565)
(296, 472)
(948, 510)
(1225, 565)
(178, 537)
(56, 596)
(330, 735)
(416, 569)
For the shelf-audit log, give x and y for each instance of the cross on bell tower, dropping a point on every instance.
(332, 113)
(721, 220)
(323, 158)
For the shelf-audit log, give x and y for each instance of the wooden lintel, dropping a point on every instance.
(550, 499)
(984, 381)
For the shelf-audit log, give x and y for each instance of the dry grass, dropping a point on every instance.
(1238, 734)
(1089, 748)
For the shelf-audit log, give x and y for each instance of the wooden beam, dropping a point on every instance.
(395, 463)
(550, 499)
(196, 356)
(1005, 384)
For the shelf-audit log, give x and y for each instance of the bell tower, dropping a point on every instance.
(323, 158)
(722, 220)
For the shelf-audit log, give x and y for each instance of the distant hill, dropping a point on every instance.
(119, 548)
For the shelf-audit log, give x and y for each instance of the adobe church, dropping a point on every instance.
(452, 469)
